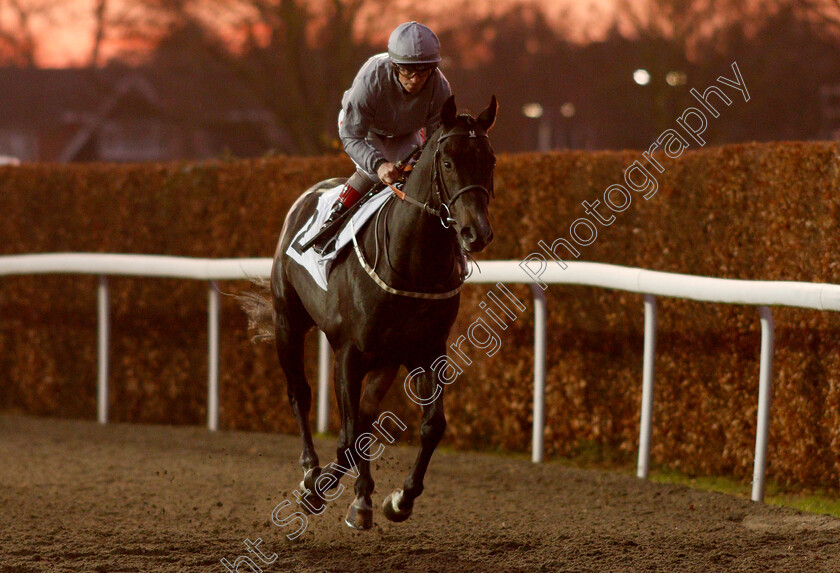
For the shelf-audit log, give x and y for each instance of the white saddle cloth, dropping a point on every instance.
(318, 265)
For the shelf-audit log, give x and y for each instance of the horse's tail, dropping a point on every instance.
(260, 311)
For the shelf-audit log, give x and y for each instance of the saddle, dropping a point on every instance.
(336, 226)
(318, 265)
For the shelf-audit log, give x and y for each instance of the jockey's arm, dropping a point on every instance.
(356, 145)
(358, 113)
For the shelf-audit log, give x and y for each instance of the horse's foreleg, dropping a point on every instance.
(399, 504)
(360, 514)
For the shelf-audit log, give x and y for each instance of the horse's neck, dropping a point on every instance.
(419, 247)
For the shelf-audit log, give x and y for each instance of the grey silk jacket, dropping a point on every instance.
(377, 104)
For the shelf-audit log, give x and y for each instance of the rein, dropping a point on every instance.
(386, 287)
(428, 209)
(443, 213)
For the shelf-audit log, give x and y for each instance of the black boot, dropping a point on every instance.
(337, 209)
(354, 190)
(320, 246)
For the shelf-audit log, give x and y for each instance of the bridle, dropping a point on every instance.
(445, 200)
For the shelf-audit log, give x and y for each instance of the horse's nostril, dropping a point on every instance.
(468, 234)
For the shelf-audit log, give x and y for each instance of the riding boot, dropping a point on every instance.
(346, 199)
(354, 189)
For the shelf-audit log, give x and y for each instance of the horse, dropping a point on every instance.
(397, 311)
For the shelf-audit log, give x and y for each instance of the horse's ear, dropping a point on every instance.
(487, 118)
(448, 113)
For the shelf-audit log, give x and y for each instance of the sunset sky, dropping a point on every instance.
(63, 44)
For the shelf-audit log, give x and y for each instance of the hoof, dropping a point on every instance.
(359, 517)
(309, 478)
(393, 508)
(314, 503)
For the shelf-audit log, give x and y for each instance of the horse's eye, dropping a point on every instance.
(447, 164)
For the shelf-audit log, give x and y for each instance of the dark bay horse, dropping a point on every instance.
(413, 248)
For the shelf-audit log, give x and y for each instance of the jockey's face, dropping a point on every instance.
(413, 78)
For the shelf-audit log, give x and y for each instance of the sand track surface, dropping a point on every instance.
(77, 496)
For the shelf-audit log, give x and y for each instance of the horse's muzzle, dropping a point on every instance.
(475, 238)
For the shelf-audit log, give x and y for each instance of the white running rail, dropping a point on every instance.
(763, 294)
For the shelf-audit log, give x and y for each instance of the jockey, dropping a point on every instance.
(393, 104)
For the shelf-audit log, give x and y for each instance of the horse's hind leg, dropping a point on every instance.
(400, 503)
(290, 331)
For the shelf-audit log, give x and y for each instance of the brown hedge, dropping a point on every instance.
(748, 211)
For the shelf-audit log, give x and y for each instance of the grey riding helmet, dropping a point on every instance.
(413, 43)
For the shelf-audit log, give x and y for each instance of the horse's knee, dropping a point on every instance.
(432, 430)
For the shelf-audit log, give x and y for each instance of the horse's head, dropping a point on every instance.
(464, 163)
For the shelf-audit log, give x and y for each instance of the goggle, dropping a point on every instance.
(410, 71)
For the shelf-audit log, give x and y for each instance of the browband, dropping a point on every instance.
(472, 133)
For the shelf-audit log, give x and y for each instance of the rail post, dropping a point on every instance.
(323, 383)
(538, 438)
(765, 384)
(103, 335)
(646, 417)
(213, 306)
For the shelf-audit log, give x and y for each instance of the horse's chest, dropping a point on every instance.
(403, 325)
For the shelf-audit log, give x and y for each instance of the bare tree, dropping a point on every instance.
(131, 30)
(667, 36)
(99, 13)
(826, 12)
(298, 58)
(18, 44)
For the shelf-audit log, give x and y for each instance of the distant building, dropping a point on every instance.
(125, 114)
